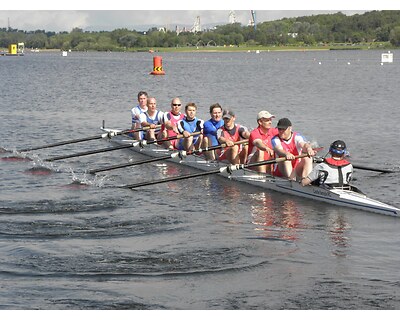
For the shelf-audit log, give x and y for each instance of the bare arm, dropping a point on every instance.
(260, 145)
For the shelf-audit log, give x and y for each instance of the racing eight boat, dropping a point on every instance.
(349, 196)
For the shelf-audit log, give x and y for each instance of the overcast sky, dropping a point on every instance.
(109, 15)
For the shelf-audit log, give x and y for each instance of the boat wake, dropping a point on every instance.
(85, 181)
(3, 150)
(41, 168)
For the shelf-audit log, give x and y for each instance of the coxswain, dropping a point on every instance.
(334, 171)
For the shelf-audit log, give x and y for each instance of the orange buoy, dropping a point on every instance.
(157, 66)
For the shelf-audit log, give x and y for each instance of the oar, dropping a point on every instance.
(101, 136)
(140, 143)
(229, 169)
(180, 154)
(356, 166)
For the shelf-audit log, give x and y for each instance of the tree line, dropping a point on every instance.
(322, 29)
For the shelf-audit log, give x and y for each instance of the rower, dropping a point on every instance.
(229, 133)
(260, 147)
(188, 125)
(210, 130)
(335, 171)
(151, 118)
(290, 144)
(171, 119)
(136, 111)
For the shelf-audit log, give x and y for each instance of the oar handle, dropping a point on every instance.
(224, 145)
(143, 143)
(272, 161)
(221, 146)
(140, 129)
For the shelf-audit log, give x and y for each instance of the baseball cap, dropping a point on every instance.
(227, 114)
(264, 114)
(284, 123)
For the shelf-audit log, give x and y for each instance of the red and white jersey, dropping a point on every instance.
(293, 145)
(235, 134)
(174, 119)
(256, 134)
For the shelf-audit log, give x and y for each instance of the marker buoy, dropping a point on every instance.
(157, 66)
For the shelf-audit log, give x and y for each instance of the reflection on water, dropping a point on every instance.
(279, 219)
(338, 229)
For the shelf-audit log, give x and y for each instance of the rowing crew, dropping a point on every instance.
(264, 142)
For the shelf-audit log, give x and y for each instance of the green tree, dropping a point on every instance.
(36, 40)
(394, 36)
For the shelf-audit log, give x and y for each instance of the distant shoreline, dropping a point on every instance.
(232, 49)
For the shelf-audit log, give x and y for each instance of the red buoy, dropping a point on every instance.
(157, 66)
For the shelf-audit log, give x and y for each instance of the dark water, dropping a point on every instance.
(70, 240)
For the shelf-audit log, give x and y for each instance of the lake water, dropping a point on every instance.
(69, 240)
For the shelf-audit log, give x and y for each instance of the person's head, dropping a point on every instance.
(264, 119)
(151, 105)
(142, 98)
(229, 118)
(338, 149)
(190, 110)
(284, 126)
(216, 111)
(176, 106)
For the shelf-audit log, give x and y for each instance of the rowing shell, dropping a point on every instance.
(350, 197)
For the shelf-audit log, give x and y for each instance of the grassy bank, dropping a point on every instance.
(244, 48)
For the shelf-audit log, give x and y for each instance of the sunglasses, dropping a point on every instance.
(176, 104)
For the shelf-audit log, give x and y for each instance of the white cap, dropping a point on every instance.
(264, 114)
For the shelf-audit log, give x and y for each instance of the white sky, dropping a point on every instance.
(109, 15)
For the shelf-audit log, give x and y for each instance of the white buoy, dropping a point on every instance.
(64, 53)
(387, 57)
